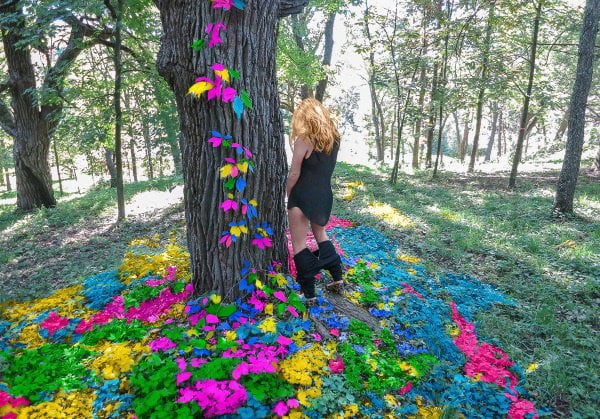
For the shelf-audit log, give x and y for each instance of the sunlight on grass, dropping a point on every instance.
(390, 215)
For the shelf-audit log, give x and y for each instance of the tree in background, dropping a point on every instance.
(565, 189)
(249, 48)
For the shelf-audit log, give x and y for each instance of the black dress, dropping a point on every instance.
(312, 193)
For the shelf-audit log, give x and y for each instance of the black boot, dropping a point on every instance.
(330, 260)
(307, 266)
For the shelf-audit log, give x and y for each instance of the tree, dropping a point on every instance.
(249, 48)
(527, 96)
(567, 180)
(36, 110)
(117, 14)
(483, 82)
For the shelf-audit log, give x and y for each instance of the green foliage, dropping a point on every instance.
(267, 387)
(217, 369)
(116, 331)
(48, 368)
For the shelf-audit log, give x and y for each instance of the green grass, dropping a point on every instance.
(508, 239)
(48, 249)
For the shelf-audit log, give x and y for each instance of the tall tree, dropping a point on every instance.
(36, 110)
(116, 11)
(485, 63)
(567, 180)
(527, 96)
(249, 48)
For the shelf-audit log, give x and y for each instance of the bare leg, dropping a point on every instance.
(298, 229)
(319, 232)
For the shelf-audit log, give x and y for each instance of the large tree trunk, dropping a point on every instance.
(30, 129)
(419, 121)
(249, 47)
(117, 12)
(567, 181)
(490, 146)
(523, 127)
(32, 122)
(131, 138)
(376, 113)
(500, 132)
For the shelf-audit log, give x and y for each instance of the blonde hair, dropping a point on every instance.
(314, 124)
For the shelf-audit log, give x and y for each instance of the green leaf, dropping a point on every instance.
(246, 99)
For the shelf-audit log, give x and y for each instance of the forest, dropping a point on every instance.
(147, 264)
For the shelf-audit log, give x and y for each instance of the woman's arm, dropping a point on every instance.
(301, 149)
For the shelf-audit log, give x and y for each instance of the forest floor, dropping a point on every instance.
(459, 223)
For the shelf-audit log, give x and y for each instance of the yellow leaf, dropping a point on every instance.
(235, 231)
(199, 88)
(224, 74)
(216, 299)
(243, 167)
(259, 284)
(226, 170)
(269, 309)
(253, 203)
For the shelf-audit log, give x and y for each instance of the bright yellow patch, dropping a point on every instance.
(407, 258)
(199, 88)
(532, 367)
(268, 325)
(76, 404)
(389, 214)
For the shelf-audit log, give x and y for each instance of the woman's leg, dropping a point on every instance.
(319, 232)
(298, 229)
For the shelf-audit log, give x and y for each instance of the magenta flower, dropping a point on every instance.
(54, 322)
(215, 33)
(162, 344)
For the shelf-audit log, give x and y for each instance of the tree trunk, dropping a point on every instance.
(432, 116)
(464, 144)
(490, 146)
(530, 125)
(419, 121)
(376, 113)
(118, 16)
(131, 139)
(327, 54)
(567, 180)
(148, 144)
(482, 86)
(442, 96)
(517, 158)
(30, 129)
(57, 164)
(457, 128)
(596, 165)
(249, 48)
(562, 128)
(7, 177)
(110, 165)
(500, 132)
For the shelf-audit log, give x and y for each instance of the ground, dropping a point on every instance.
(465, 224)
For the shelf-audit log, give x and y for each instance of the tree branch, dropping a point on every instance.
(290, 7)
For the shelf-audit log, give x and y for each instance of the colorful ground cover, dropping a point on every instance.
(136, 343)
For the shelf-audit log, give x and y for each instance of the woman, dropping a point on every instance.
(315, 142)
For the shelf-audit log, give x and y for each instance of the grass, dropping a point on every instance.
(508, 238)
(466, 224)
(48, 249)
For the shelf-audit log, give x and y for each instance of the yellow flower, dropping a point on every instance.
(230, 335)
(532, 367)
(269, 309)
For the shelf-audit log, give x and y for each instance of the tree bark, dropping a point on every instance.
(131, 139)
(490, 146)
(482, 86)
(567, 180)
(249, 47)
(419, 121)
(596, 164)
(517, 158)
(376, 113)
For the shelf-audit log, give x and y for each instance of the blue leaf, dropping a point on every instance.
(240, 184)
(238, 107)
